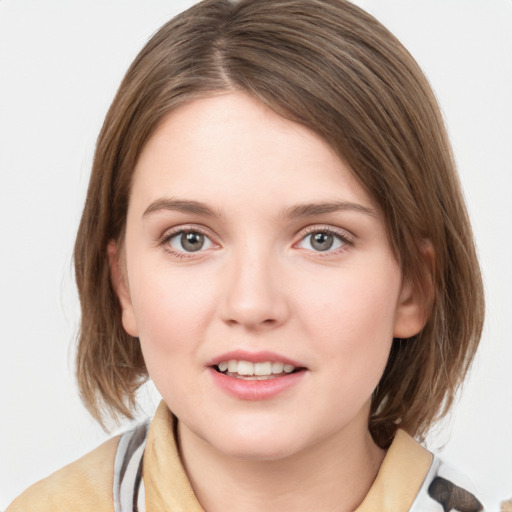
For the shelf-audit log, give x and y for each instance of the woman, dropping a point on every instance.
(273, 174)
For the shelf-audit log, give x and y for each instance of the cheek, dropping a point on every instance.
(352, 323)
(353, 304)
(171, 312)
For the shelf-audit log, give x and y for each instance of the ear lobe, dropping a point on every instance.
(413, 306)
(121, 288)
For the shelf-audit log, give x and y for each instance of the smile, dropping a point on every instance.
(246, 370)
(251, 376)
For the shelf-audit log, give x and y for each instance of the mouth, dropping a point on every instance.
(255, 376)
(247, 370)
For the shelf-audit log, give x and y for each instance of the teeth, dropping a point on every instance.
(248, 369)
(263, 368)
(245, 368)
(277, 367)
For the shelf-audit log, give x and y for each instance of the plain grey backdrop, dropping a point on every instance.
(60, 64)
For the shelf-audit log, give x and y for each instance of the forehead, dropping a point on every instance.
(231, 149)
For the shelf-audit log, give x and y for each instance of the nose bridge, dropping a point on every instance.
(255, 296)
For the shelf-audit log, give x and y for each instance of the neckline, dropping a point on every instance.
(395, 488)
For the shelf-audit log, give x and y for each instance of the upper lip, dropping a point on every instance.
(253, 357)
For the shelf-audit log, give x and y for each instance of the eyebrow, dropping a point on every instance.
(180, 205)
(297, 211)
(310, 209)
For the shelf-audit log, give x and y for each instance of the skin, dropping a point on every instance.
(258, 283)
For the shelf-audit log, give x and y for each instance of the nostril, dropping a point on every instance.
(252, 322)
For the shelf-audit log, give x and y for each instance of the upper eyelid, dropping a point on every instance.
(170, 232)
(341, 232)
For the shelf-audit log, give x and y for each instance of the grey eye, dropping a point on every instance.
(321, 241)
(190, 241)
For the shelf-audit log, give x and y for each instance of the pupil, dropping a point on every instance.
(322, 241)
(192, 241)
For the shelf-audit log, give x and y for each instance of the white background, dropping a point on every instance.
(60, 64)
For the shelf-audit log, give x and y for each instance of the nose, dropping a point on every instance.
(256, 296)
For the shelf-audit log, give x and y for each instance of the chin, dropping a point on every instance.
(260, 451)
(257, 442)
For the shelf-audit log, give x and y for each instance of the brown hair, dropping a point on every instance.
(333, 68)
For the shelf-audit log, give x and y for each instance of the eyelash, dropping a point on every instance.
(168, 236)
(343, 236)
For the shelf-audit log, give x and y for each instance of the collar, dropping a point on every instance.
(400, 476)
(168, 488)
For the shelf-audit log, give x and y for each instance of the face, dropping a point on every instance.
(258, 277)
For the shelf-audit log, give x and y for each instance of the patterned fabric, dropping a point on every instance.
(444, 489)
(128, 492)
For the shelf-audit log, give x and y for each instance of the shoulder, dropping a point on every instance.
(413, 479)
(83, 485)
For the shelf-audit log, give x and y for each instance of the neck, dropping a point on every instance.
(334, 474)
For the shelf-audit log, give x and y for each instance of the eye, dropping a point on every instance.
(189, 241)
(323, 240)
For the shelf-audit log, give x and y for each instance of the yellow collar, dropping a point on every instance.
(168, 488)
(400, 476)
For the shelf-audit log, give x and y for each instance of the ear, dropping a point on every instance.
(413, 306)
(121, 288)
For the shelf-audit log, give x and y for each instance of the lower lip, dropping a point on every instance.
(255, 389)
